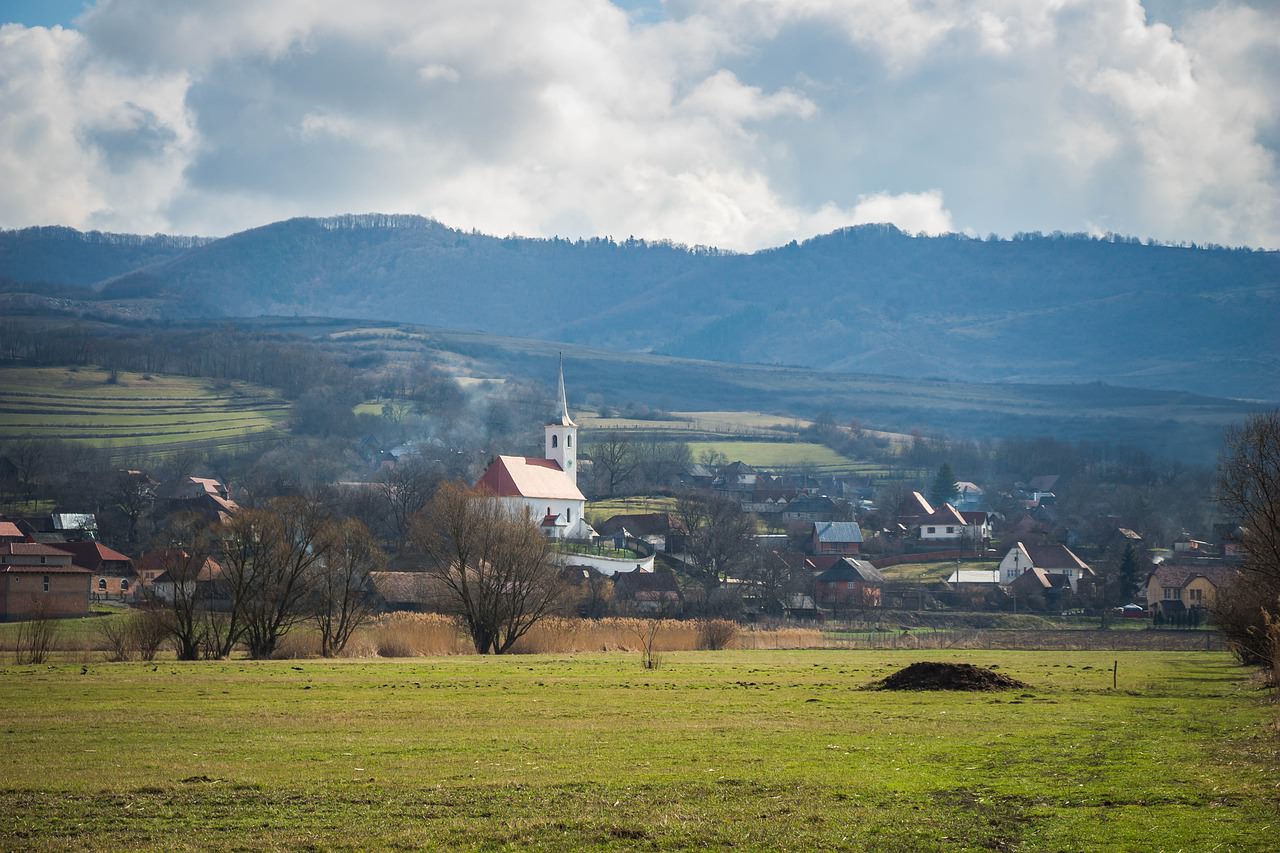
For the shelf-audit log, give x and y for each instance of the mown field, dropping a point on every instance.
(754, 750)
(934, 571)
(135, 410)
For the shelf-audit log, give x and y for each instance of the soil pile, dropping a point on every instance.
(929, 675)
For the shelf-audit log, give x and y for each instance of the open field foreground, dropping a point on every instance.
(756, 750)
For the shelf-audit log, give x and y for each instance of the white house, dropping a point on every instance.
(941, 525)
(1053, 559)
(545, 488)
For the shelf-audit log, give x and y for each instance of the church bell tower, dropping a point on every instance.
(562, 433)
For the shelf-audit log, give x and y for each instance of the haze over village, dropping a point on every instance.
(634, 424)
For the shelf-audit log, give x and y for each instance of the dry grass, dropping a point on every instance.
(407, 635)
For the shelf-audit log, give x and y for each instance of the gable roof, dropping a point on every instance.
(1053, 557)
(849, 569)
(1037, 577)
(837, 531)
(10, 530)
(1180, 575)
(1043, 482)
(914, 505)
(91, 554)
(528, 477)
(31, 549)
(945, 514)
(812, 503)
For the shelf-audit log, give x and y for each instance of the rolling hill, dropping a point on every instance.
(1035, 309)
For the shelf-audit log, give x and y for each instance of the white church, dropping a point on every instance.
(546, 488)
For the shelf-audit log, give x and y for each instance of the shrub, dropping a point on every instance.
(716, 634)
(35, 638)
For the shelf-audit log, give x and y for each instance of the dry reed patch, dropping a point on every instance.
(407, 635)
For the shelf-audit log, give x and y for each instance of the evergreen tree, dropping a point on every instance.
(1127, 576)
(944, 488)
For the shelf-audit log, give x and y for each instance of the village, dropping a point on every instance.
(731, 541)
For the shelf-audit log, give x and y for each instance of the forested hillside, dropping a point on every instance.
(1037, 308)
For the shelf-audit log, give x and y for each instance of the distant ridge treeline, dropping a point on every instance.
(1035, 308)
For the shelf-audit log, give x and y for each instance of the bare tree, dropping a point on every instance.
(287, 543)
(35, 635)
(340, 586)
(720, 536)
(614, 460)
(1249, 489)
(404, 491)
(498, 571)
(184, 557)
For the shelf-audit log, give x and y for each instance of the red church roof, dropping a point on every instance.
(528, 477)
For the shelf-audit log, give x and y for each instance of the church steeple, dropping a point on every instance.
(562, 416)
(562, 433)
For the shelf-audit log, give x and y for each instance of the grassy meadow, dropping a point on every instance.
(784, 454)
(135, 410)
(757, 750)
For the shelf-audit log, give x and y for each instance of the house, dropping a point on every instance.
(663, 531)
(811, 508)
(39, 580)
(113, 574)
(650, 593)
(1041, 590)
(734, 479)
(9, 532)
(848, 583)
(1173, 588)
(977, 527)
(1055, 559)
(412, 591)
(913, 508)
(545, 489)
(204, 495)
(835, 537)
(183, 576)
(59, 527)
(944, 524)
(969, 496)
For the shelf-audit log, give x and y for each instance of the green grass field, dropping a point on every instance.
(137, 410)
(755, 750)
(777, 454)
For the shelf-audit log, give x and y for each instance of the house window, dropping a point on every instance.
(124, 584)
(1171, 593)
(555, 441)
(46, 583)
(933, 530)
(1195, 595)
(951, 530)
(102, 583)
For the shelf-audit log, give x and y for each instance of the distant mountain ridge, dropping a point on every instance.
(1036, 308)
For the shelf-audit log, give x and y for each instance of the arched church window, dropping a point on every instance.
(555, 441)
(568, 514)
(568, 441)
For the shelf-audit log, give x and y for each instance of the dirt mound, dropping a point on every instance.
(929, 675)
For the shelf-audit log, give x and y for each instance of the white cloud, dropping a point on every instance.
(739, 123)
(919, 213)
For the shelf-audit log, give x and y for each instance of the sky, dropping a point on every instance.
(740, 124)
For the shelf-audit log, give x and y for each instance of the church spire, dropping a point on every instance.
(562, 417)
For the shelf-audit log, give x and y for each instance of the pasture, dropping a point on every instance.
(134, 410)
(756, 750)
